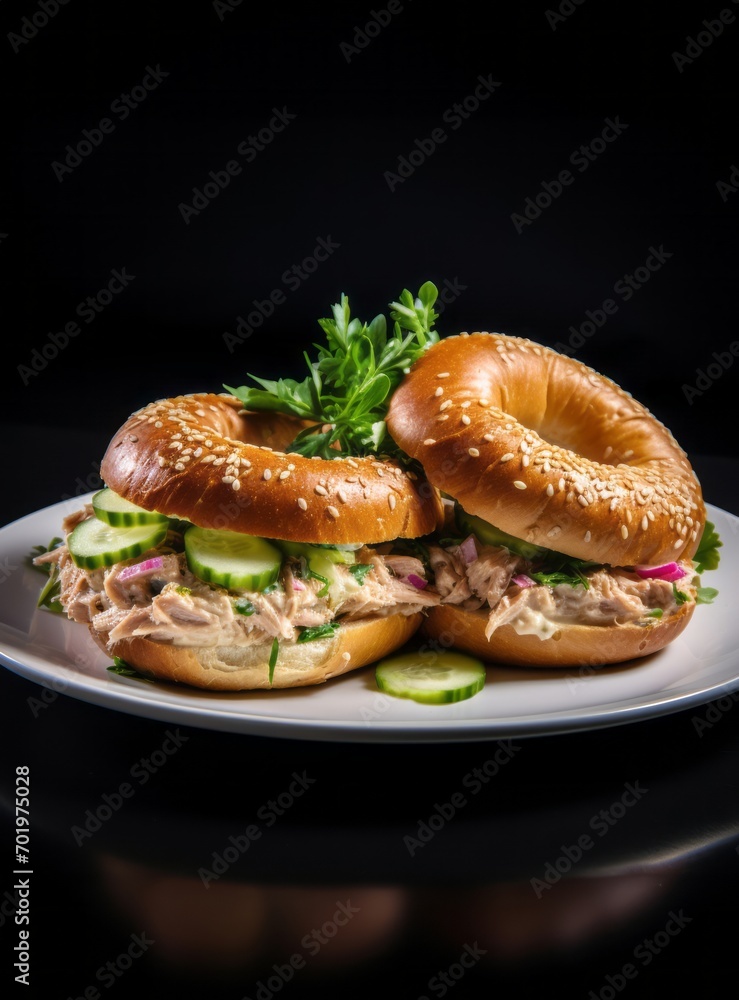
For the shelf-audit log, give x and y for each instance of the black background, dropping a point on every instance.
(449, 222)
(356, 113)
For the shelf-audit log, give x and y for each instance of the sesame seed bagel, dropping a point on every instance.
(246, 668)
(572, 645)
(548, 450)
(202, 458)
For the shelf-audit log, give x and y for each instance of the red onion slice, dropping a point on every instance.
(417, 581)
(668, 571)
(147, 566)
(523, 581)
(298, 584)
(468, 548)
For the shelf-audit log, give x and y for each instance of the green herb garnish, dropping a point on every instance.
(680, 596)
(656, 613)
(49, 596)
(309, 634)
(706, 595)
(122, 668)
(360, 570)
(347, 392)
(311, 574)
(563, 569)
(708, 556)
(273, 658)
(243, 607)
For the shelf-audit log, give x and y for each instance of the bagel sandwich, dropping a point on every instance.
(575, 525)
(216, 558)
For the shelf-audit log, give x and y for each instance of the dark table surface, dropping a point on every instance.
(235, 866)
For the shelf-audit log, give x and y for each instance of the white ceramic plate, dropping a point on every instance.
(700, 666)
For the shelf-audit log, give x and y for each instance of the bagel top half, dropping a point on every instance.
(202, 458)
(549, 450)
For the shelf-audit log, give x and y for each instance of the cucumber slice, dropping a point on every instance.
(93, 543)
(232, 560)
(431, 678)
(333, 553)
(113, 509)
(490, 535)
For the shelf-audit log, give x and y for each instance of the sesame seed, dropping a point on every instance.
(391, 501)
(483, 402)
(209, 458)
(430, 441)
(228, 479)
(678, 543)
(443, 416)
(650, 515)
(302, 503)
(220, 461)
(380, 472)
(350, 461)
(613, 504)
(442, 374)
(158, 423)
(267, 474)
(488, 437)
(465, 419)
(264, 447)
(346, 655)
(445, 405)
(644, 523)
(519, 485)
(180, 466)
(290, 467)
(321, 491)
(332, 511)
(587, 536)
(474, 452)
(465, 404)
(507, 457)
(197, 453)
(525, 461)
(285, 474)
(582, 501)
(550, 490)
(624, 531)
(352, 479)
(342, 496)
(439, 391)
(236, 484)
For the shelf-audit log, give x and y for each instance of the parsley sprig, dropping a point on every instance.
(346, 395)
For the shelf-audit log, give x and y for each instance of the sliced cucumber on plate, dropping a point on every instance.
(431, 678)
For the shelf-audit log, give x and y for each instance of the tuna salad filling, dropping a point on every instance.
(164, 601)
(537, 597)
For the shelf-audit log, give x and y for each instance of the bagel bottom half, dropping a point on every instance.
(572, 645)
(243, 668)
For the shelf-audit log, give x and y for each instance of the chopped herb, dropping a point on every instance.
(311, 574)
(360, 570)
(272, 588)
(706, 595)
(49, 596)
(680, 596)
(346, 394)
(309, 634)
(121, 668)
(708, 555)
(243, 607)
(182, 590)
(273, 658)
(656, 613)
